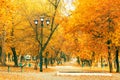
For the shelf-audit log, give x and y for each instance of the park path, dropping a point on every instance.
(32, 76)
(53, 75)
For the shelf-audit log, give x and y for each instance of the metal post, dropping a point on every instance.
(41, 51)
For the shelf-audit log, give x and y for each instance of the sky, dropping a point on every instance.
(69, 5)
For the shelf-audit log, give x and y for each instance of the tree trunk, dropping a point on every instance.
(46, 62)
(109, 59)
(8, 57)
(2, 56)
(101, 62)
(93, 58)
(3, 38)
(46, 59)
(78, 60)
(0, 52)
(82, 63)
(65, 58)
(41, 61)
(51, 61)
(3, 59)
(36, 64)
(15, 56)
(117, 60)
(68, 57)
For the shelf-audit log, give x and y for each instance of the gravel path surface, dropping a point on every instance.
(50, 74)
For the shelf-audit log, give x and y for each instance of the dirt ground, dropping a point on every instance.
(52, 76)
(48, 74)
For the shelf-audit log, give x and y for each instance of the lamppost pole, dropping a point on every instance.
(41, 40)
(41, 46)
(36, 29)
(42, 25)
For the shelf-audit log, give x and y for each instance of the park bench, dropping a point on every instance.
(20, 65)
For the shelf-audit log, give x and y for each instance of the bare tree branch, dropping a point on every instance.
(53, 19)
(45, 45)
(52, 3)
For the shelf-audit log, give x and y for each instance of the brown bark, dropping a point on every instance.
(117, 60)
(109, 59)
(15, 56)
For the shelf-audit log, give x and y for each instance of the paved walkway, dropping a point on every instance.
(53, 75)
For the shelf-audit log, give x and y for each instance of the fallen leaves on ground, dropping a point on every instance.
(48, 74)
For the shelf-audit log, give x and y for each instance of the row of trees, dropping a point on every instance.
(20, 34)
(93, 30)
(90, 32)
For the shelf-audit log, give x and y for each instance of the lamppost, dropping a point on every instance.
(48, 21)
(40, 39)
(36, 23)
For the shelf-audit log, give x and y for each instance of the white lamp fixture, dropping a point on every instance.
(36, 22)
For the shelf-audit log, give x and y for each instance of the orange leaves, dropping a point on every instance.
(92, 24)
(6, 8)
(116, 36)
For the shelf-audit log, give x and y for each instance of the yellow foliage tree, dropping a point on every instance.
(100, 20)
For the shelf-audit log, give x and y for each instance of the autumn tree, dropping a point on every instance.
(50, 10)
(100, 20)
(6, 8)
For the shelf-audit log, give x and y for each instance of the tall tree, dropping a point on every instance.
(99, 22)
(43, 35)
(6, 8)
